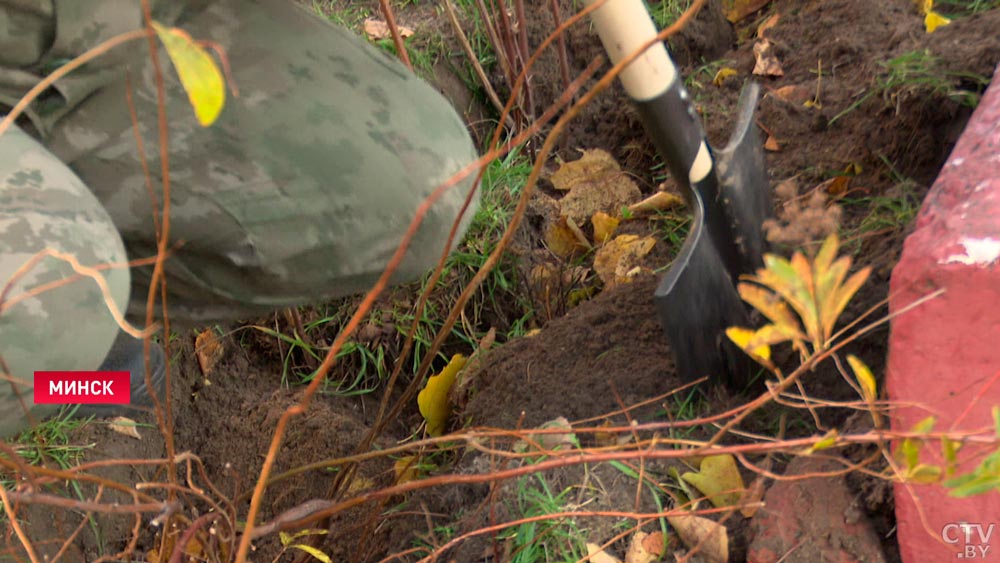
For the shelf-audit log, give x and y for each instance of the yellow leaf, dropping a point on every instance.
(313, 551)
(360, 483)
(719, 479)
(616, 261)
(836, 185)
(197, 71)
(846, 292)
(743, 337)
(723, 73)
(949, 450)
(595, 163)
(924, 6)
(593, 183)
(433, 399)
(924, 474)
(708, 534)
(864, 377)
(562, 240)
(827, 441)
(934, 20)
(407, 469)
(287, 538)
(772, 307)
(604, 226)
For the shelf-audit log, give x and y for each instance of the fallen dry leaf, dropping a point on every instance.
(604, 226)
(653, 543)
(771, 144)
(793, 94)
(209, 350)
(360, 483)
(593, 183)
(767, 63)
(719, 479)
(835, 186)
(639, 550)
(725, 72)
(598, 555)
(605, 438)
(768, 24)
(581, 237)
(126, 426)
(616, 261)
(660, 201)
(378, 29)
(407, 468)
(708, 536)
(736, 10)
(593, 163)
(562, 240)
(553, 441)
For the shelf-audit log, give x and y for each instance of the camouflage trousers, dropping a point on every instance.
(300, 191)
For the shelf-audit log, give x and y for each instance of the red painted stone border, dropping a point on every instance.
(945, 353)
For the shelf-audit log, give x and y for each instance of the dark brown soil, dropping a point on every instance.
(608, 351)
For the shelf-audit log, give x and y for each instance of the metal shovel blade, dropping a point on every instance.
(697, 299)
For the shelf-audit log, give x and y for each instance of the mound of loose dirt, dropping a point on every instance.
(605, 354)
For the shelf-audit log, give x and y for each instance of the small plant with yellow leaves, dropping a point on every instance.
(802, 298)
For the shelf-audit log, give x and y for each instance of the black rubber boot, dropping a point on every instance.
(126, 355)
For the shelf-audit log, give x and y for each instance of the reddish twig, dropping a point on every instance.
(563, 57)
(397, 39)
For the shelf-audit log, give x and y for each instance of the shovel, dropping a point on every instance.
(727, 191)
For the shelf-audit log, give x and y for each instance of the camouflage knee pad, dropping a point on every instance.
(305, 185)
(43, 205)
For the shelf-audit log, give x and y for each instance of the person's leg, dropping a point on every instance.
(43, 205)
(302, 189)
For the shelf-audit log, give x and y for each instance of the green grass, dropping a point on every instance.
(891, 211)
(666, 12)
(499, 302)
(548, 541)
(919, 73)
(963, 8)
(686, 406)
(49, 441)
(673, 227)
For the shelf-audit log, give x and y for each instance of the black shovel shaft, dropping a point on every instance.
(664, 105)
(696, 298)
